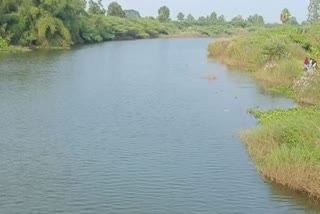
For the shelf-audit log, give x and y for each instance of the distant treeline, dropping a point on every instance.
(62, 23)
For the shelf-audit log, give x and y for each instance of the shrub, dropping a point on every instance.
(275, 48)
(3, 44)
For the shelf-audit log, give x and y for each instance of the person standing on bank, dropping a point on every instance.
(306, 64)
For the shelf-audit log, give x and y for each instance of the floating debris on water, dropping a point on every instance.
(211, 77)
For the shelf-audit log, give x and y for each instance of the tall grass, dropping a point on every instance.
(274, 56)
(286, 147)
(282, 73)
(308, 88)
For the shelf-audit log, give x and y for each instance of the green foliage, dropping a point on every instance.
(301, 39)
(293, 21)
(213, 18)
(291, 127)
(286, 147)
(105, 28)
(221, 19)
(62, 23)
(276, 57)
(115, 9)
(256, 20)
(163, 14)
(275, 48)
(89, 32)
(314, 11)
(287, 91)
(52, 32)
(285, 16)
(202, 19)
(238, 21)
(286, 140)
(132, 14)
(3, 44)
(180, 17)
(96, 8)
(190, 18)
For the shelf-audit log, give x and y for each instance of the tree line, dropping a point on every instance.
(62, 23)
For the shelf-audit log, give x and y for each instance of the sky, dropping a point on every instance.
(269, 9)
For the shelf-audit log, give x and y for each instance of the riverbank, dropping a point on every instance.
(79, 24)
(183, 34)
(15, 49)
(176, 34)
(285, 146)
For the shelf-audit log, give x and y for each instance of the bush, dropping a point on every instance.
(275, 48)
(3, 44)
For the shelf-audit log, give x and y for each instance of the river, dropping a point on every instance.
(131, 127)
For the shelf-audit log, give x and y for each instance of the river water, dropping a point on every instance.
(131, 127)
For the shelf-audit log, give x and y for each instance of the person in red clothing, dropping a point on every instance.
(306, 63)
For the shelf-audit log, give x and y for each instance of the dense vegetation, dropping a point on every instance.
(276, 57)
(63, 23)
(286, 145)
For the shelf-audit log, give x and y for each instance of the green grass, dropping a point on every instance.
(275, 56)
(286, 147)
(283, 91)
(15, 49)
(286, 144)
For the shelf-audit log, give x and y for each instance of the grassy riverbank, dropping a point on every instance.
(286, 144)
(107, 28)
(15, 49)
(275, 56)
(286, 147)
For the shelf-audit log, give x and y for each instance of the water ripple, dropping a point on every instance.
(91, 131)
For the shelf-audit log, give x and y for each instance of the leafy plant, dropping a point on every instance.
(275, 48)
(3, 44)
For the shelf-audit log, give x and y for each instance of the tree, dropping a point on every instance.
(293, 21)
(150, 18)
(48, 23)
(96, 8)
(190, 18)
(256, 20)
(314, 11)
(238, 21)
(132, 14)
(285, 16)
(221, 19)
(213, 17)
(62, 23)
(180, 17)
(202, 19)
(7, 7)
(115, 9)
(163, 14)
